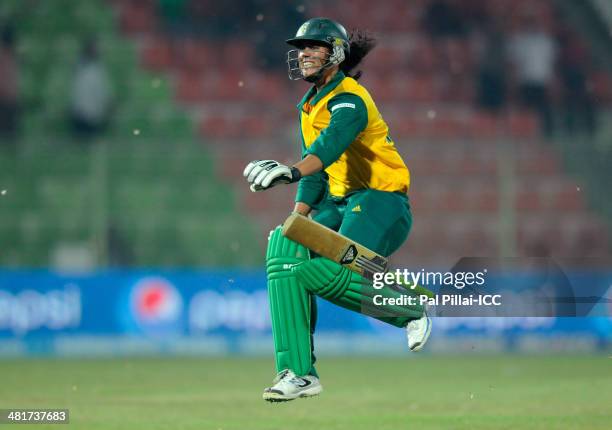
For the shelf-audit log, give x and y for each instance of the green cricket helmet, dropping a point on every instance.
(321, 31)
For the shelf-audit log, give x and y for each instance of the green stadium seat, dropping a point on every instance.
(156, 187)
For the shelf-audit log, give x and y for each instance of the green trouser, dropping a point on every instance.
(380, 221)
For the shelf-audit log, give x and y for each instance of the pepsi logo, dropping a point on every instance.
(155, 301)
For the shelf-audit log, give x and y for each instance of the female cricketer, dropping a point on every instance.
(353, 179)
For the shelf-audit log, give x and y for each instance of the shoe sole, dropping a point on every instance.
(418, 346)
(276, 398)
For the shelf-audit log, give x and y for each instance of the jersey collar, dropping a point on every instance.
(335, 81)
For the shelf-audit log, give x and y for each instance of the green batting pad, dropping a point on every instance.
(352, 291)
(289, 304)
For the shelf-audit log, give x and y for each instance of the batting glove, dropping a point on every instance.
(264, 174)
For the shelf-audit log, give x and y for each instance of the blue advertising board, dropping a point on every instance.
(226, 312)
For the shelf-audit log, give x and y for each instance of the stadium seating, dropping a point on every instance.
(147, 179)
(163, 194)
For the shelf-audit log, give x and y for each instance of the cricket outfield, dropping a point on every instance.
(413, 392)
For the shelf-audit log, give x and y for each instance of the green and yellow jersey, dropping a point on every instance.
(341, 125)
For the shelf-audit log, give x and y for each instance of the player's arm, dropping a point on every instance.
(311, 191)
(348, 119)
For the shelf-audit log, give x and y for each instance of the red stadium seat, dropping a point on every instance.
(266, 88)
(157, 53)
(232, 167)
(539, 236)
(528, 200)
(569, 199)
(190, 87)
(227, 87)
(483, 125)
(196, 55)
(423, 59)
(523, 125)
(237, 54)
(419, 89)
(446, 125)
(538, 164)
(137, 16)
(256, 126)
(215, 126)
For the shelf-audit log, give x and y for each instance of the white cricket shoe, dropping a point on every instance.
(288, 386)
(418, 332)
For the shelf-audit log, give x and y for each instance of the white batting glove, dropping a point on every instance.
(264, 174)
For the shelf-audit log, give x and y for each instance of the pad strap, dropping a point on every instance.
(350, 290)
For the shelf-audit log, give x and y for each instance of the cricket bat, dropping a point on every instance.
(339, 248)
(330, 244)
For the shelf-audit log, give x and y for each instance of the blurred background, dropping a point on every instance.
(127, 228)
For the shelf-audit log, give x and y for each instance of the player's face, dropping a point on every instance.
(311, 58)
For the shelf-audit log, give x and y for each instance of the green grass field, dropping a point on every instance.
(490, 392)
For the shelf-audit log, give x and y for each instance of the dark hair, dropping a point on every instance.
(361, 42)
